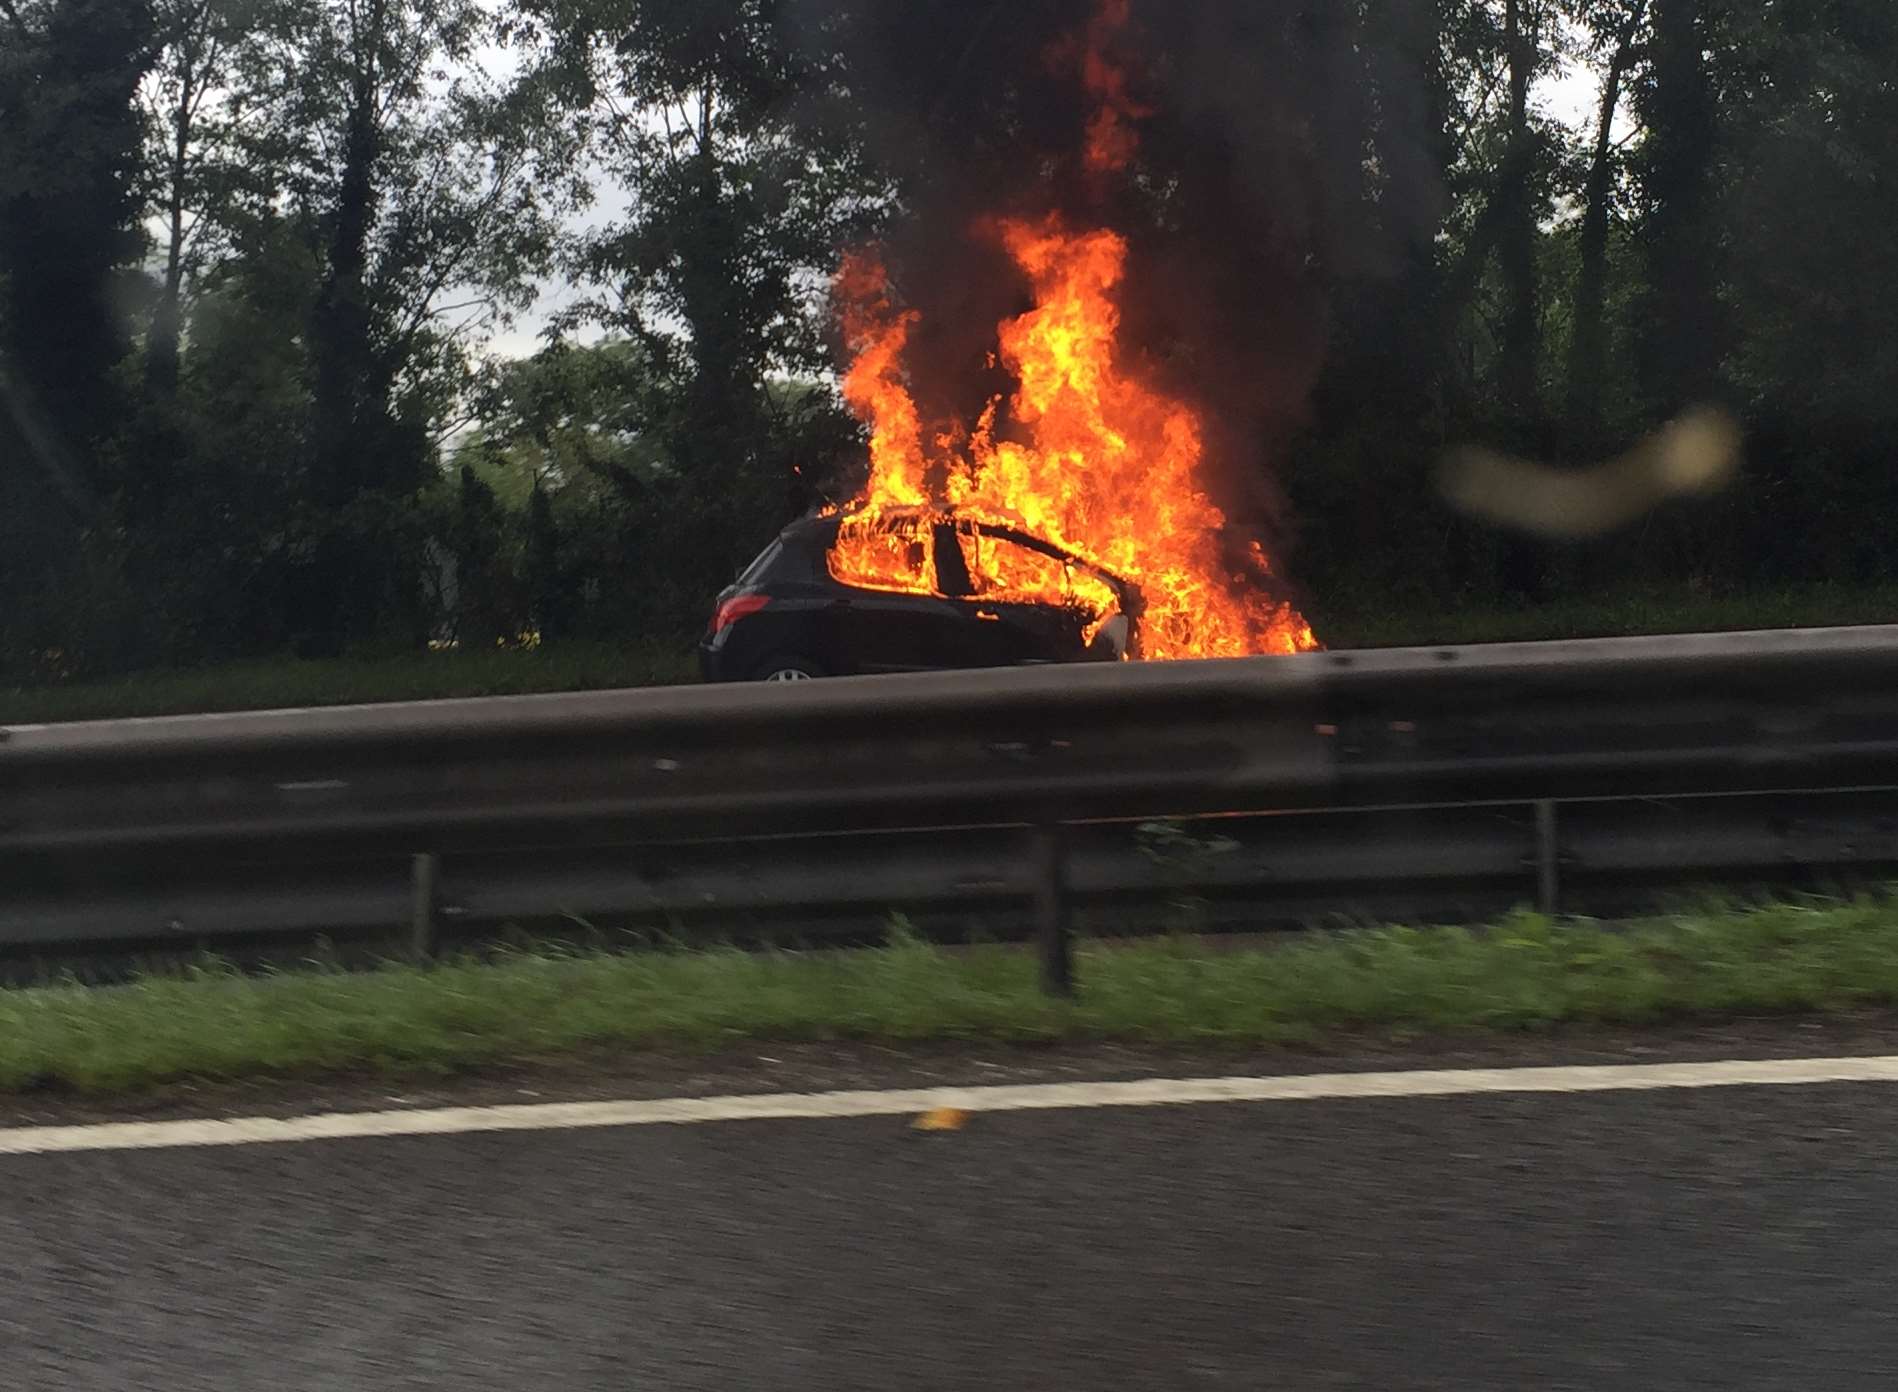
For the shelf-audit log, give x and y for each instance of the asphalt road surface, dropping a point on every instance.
(1729, 1238)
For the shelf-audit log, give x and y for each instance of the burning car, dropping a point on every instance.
(1067, 509)
(908, 590)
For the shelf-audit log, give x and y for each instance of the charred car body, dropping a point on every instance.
(913, 590)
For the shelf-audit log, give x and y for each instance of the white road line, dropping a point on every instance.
(791, 1106)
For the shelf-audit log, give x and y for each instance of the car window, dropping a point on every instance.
(1004, 571)
(765, 560)
(884, 556)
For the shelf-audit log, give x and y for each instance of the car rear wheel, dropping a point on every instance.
(787, 668)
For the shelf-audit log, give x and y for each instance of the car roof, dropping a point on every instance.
(820, 528)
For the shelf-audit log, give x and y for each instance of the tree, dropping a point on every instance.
(1685, 337)
(736, 214)
(1617, 28)
(1519, 353)
(196, 106)
(1807, 282)
(434, 192)
(70, 142)
(487, 611)
(547, 581)
(572, 419)
(69, 234)
(1490, 314)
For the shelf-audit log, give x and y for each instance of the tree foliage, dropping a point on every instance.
(736, 209)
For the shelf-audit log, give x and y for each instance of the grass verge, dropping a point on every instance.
(280, 683)
(1523, 973)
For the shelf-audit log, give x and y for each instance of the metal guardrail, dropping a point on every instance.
(1352, 777)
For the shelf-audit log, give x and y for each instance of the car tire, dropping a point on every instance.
(786, 667)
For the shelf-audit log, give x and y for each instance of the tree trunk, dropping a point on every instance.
(1522, 316)
(1520, 563)
(1588, 350)
(341, 345)
(718, 443)
(342, 580)
(1683, 343)
(1414, 149)
(161, 348)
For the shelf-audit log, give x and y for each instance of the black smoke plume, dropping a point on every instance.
(1277, 159)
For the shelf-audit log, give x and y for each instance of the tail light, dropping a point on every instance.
(736, 608)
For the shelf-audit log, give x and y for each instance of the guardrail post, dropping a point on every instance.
(1054, 932)
(424, 886)
(1548, 859)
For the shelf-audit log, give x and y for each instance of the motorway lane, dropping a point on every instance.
(1726, 1238)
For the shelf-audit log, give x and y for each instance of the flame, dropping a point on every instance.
(1095, 462)
(876, 551)
(1111, 140)
(1090, 458)
(878, 334)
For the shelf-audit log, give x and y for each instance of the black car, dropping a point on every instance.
(913, 591)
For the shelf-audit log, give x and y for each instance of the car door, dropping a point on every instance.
(1020, 606)
(891, 616)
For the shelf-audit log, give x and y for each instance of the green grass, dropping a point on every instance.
(1524, 973)
(286, 682)
(1623, 615)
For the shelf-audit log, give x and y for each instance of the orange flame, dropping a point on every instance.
(878, 334)
(1093, 459)
(1110, 137)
